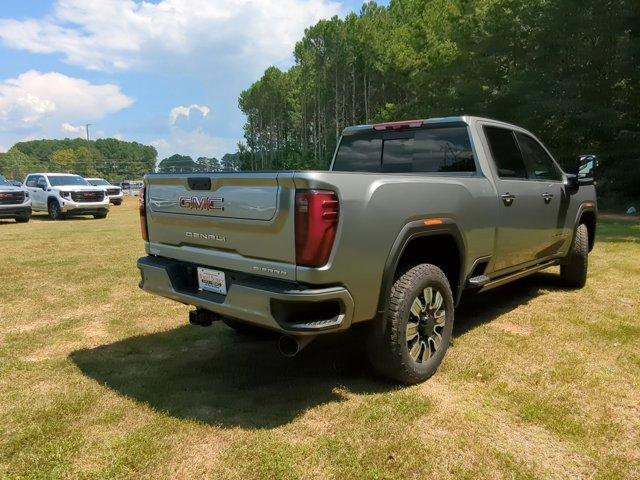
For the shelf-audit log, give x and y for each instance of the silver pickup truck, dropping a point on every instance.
(411, 215)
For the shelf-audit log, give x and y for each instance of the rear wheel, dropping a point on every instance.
(574, 269)
(117, 202)
(55, 212)
(99, 216)
(22, 219)
(410, 343)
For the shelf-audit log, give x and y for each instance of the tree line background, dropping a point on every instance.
(567, 70)
(108, 158)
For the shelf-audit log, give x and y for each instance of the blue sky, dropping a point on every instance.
(166, 73)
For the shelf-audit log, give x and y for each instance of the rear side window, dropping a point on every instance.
(537, 161)
(445, 149)
(359, 153)
(505, 152)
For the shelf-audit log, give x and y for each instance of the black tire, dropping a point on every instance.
(247, 330)
(99, 216)
(388, 346)
(55, 212)
(22, 219)
(573, 270)
(117, 202)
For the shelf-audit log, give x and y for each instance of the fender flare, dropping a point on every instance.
(409, 232)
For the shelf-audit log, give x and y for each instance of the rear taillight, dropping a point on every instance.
(143, 216)
(317, 214)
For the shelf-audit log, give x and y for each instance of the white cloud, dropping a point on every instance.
(195, 143)
(67, 127)
(36, 99)
(186, 111)
(124, 34)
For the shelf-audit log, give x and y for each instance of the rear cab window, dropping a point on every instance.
(431, 149)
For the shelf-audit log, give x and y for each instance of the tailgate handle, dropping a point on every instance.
(199, 183)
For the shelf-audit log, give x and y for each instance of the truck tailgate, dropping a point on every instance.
(235, 221)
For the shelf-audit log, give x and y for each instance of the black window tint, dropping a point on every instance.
(397, 154)
(505, 152)
(359, 153)
(539, 164)
(443, 150)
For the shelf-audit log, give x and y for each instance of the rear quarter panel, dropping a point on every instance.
(373, 210)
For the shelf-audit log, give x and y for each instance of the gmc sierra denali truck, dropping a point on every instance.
(411, 215)
(14, 202)
(65, 194)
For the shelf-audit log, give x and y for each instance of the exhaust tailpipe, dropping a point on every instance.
(290, 345)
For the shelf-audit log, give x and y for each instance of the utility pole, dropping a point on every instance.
(87, 127)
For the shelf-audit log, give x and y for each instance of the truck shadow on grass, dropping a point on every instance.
(215, 376)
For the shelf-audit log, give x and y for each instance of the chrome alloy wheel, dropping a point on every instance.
(425, 324)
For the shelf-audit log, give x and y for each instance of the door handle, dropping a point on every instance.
(507, 198)
(547, 197)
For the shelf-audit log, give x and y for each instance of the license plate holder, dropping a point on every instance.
(210, 280)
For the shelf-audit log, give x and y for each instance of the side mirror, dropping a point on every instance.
(571, 183)
(42, 185)
(586, 169)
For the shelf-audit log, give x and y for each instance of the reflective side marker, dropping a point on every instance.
(433, 221)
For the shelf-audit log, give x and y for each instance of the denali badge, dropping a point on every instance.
(202, 203)
(269, 270)
(206, 236)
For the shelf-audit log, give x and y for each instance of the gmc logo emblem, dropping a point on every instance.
(202, 203)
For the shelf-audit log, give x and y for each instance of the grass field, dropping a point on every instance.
(101, 380)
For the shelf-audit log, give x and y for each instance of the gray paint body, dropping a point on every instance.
(255, 234)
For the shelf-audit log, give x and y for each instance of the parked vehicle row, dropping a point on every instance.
(58, 194)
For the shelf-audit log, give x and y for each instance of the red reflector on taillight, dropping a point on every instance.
(143, 215)
(398, 125)
(317, 213)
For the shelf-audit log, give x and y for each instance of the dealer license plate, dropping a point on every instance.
(212, 280)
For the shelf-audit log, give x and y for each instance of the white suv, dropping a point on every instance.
(114, 192)
(64, 194)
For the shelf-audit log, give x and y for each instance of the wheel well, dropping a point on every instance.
(589, 219)
(51, 199)
(439, 250)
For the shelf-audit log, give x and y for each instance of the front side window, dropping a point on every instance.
(537, 161)
(61, 180)
(31, 181)
(506, 153)
(427, 150)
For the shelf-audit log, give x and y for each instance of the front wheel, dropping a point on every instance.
(99, 216)
(22, 219)
(55, 212)
(573, 270)
(416, 330)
